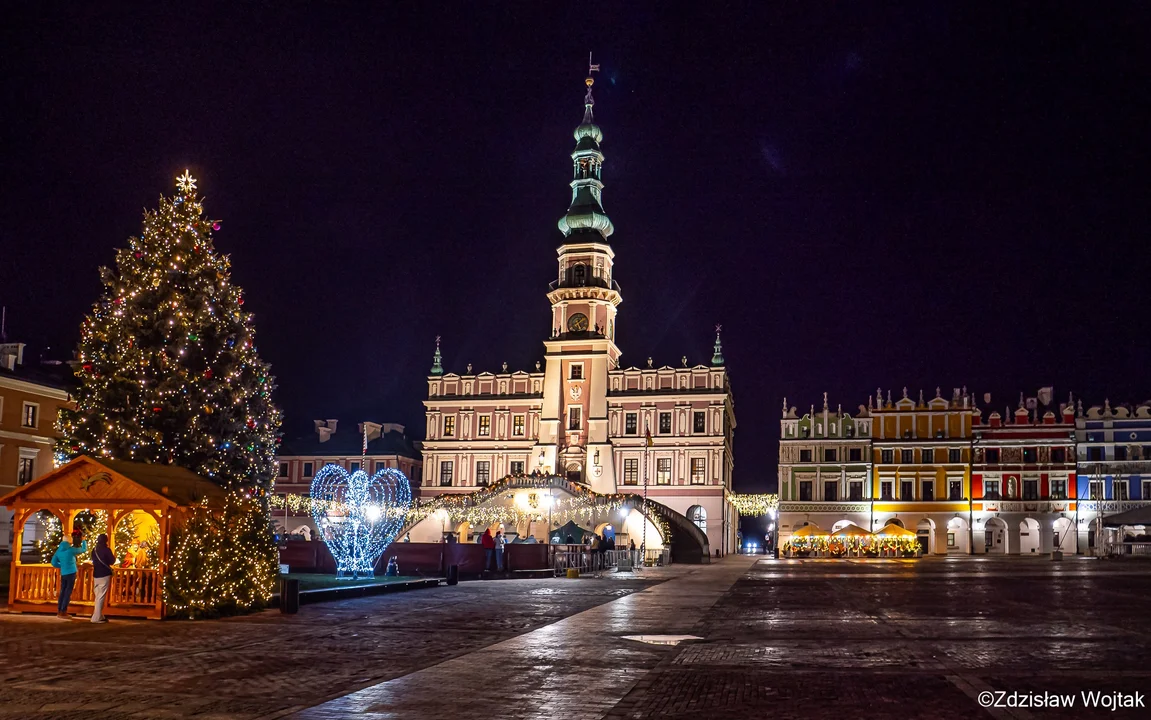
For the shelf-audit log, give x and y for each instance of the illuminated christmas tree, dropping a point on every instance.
(169, 371)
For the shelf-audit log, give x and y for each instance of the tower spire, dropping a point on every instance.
(717, 357)
(585, 215)
(437, 360)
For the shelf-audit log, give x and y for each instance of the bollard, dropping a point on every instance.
(573, 573)
(453, 574)
(289, 596)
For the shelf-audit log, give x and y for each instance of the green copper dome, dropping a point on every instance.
(586, 214)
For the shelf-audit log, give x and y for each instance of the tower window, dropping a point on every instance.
(574, 418)
(579, 274)
(577, 371)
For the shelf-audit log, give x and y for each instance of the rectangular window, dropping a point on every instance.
(631, 471)
(1147, 456)
(485, 425)
(955, 490)
(907, 457)
(1120, 453)
(1030, 455)
(1058, 489)
(954, 455)
(380, 465)
(855, 490)
(663, 471)
(991, 489)
(30, 415)
(664, 423)
(698, 470)
(887, 456)
(629, 423)
(885, 489)
(518, 425)
(577, 371)
(483, 472)
(928, 489)
(1097, 490)
(928, 455)
(855, 455)
(283, 470)
(1058, 455)
(993, 456)
(447, 469)
(1120, 489)
(906, 490)
(449, 426)
(699, 422)
(26, 471)
(1095, 454)
(830, 490)
(829, 454)
(805, 456)
(1147, 489)
(353, 466)
(1030, 489)
(309, 470)
(951, 540)
(517, 467)
(805, 490)
(574, 418)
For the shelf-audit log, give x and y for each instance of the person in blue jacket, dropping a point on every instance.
(65, 560)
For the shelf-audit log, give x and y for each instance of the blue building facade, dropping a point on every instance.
(1113, 464)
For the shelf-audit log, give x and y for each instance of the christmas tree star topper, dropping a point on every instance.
(186, 183)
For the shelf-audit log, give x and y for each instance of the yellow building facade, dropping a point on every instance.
(921, 468)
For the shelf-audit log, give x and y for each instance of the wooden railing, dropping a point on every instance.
(40, 583)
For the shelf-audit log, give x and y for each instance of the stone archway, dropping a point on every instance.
(996, 536)
(1029, 537)
(958, 537)
(1064, 538)
(925, 533)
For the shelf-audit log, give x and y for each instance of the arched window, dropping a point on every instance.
(698, 515)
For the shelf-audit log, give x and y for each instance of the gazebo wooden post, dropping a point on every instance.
(114, 518)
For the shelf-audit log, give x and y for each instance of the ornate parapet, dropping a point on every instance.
(830, 507)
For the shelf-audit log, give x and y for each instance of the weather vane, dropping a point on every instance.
(718, 328)
(186, 183)
(590, 69)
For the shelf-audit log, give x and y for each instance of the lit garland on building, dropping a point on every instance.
(169, 371)
(750, 504)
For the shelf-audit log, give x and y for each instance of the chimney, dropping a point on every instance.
(11, 355)
(325, 434)
(332, 425)
(372, 428)
(319, 424)
(392, 427)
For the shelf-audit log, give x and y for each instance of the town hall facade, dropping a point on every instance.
(581, 414)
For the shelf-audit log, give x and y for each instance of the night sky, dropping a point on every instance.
(863, 195)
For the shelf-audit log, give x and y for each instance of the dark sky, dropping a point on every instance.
(863, 194)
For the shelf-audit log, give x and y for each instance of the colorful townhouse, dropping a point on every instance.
(1113, 465)
(824, 468)
(1023, 479)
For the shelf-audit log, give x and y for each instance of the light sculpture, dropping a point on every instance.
(359, 515)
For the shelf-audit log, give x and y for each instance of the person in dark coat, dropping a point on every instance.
(489, 544)
(102, 562)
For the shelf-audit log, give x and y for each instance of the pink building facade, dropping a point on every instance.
(582, 414)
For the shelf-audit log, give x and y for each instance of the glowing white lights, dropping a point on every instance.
(359, 516)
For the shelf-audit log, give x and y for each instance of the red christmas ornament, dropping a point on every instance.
(157, 409)
(208, 373)
(138, 255)
(215, 226)
(118, 301)
(251, 423)
(240, 301)
(87, 367)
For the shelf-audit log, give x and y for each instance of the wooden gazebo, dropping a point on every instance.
(118, 488)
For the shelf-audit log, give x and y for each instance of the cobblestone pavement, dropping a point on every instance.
(268, 664)
(917, 639)
(778, 639)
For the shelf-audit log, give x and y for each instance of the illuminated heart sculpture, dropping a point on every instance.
(359, 516)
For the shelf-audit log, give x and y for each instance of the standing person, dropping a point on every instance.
(631, 549)
(489, 544)
(102, 562)
(501, 541)
(141, 559)
(594, 551)
(65, 560)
